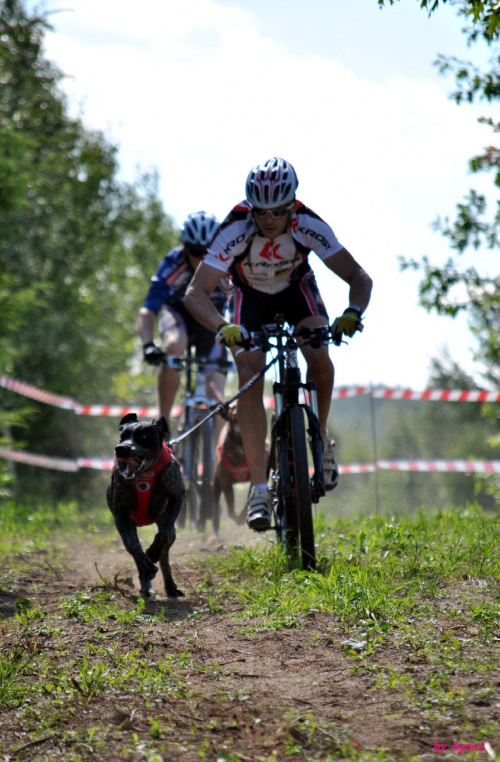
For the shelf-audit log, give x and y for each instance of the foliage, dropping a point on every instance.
(77, 250)
(482, 13)
(450, 288)
(15, 304)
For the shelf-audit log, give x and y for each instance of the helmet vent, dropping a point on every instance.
(271, 184)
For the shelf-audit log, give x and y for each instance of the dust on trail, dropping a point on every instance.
(91, 564)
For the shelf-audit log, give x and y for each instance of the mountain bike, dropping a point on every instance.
(292, 487)
(196, 450)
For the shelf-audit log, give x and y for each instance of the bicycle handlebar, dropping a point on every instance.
(312, 336)
(181, 363)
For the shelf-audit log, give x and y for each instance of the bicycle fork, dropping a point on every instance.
(314, 434)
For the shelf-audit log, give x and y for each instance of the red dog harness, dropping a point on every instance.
(239, 473)
(143, 487)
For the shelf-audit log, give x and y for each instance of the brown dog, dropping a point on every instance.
(230, 468)
(146, 488)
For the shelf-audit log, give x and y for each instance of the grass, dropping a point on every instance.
(409, 607)
(376, 570)
(31, 526)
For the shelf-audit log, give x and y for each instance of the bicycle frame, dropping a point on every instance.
(197, 450)
(292, 488)
(286, 392)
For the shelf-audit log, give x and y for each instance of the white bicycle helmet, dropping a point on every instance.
(199, 229)
(271, 184)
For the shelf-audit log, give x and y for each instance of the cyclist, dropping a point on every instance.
(177, 328)
(264, 244)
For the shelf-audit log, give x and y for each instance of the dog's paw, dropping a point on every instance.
(147, 593)
(174, 592)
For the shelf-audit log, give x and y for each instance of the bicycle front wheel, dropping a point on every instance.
(279, 468)
(301, 489)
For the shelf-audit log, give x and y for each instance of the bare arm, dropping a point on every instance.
(345, 266)
(197, 299)
(146, 325)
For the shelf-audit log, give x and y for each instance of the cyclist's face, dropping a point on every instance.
(271, 226)
(195, 255)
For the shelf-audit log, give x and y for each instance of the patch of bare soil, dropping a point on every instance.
(248, 694)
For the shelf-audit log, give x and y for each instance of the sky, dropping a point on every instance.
(203, 90)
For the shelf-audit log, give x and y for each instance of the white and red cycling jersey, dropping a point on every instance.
(263, 264)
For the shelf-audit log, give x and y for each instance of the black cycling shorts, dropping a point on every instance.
(300, 300)
(199, 337)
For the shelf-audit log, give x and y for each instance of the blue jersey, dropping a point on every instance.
(169, 284)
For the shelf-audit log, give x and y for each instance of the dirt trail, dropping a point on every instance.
(253, 705)
(188, 546)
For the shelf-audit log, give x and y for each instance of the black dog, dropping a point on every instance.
(146, 488)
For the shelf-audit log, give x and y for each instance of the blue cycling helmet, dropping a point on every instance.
(199, 229)
(271, 184)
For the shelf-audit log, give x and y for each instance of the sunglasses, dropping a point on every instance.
(275, 213)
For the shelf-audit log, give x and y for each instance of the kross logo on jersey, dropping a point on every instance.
(314, 234)
(270, 251)
(233, 243)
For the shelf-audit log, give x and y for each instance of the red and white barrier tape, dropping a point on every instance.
(357, 468)
(116, 410)
(37, 394)
(343, 392)
(102, 464)
(119, 411)
(438, 395)
(451, 466)
(44, 461)
(106, 464)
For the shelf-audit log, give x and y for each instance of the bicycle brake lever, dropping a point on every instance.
(247, 347)
(338, 340)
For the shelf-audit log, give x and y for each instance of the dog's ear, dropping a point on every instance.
(129, 418)
(161, 423)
